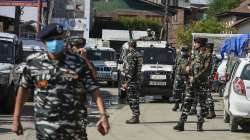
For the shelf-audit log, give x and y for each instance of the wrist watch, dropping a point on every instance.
(104, 115)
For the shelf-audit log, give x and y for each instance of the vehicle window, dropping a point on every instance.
(235, 68)
(245, 75)
(6, 52)
(102, 55)
(164, 55)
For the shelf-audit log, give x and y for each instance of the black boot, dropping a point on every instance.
(179, 126)
(211, 115)
(176, 106)
(199, 126)
(133, 120)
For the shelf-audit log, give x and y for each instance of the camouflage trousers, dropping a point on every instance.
(133, 99)
(179, 88)
(49, 130)
(193, 93)
(210, 101)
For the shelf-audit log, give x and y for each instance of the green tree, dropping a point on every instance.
(210, 25)
(219, 6)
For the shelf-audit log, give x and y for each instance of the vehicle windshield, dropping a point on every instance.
(101, 55)
(157, 55)
(6, 48)
(245, 75)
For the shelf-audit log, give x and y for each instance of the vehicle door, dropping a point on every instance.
(229, 85)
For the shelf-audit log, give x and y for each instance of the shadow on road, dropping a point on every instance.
(165, 122)
(4, 130)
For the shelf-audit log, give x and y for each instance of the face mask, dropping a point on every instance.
(55, 46)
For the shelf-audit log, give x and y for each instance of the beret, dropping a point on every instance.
(50, 31)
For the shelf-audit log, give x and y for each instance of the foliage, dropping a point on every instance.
(220, 6)
(140, 23)
(210, 25)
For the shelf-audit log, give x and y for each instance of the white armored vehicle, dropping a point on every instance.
(157, 68)
(10, 56)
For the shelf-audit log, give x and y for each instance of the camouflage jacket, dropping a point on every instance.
(57, 103)
(181, 65)
(134, 62)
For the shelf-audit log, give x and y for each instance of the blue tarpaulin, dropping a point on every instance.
(235, 44)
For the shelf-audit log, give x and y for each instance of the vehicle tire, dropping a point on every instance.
(233, 124)
(111, 84)
(166, 98)
(10, 98)
(245, 126)
(226, 117)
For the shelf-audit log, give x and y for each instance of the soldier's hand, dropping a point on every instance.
(17, 127)
(125, 86)
(82, 51)
(187, 69)
(191, 79)
(103, 125)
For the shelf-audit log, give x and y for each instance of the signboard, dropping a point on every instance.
(71, 24)
(31, 3)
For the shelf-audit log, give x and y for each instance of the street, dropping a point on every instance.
(157, 120)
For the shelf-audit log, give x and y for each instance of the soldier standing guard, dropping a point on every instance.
(132, 81)
(194, 89)
(54, 76)
(180, 77)
(210, 100)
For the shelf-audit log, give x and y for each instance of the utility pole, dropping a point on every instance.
(166, 20)
(39, 17)
(17, 20)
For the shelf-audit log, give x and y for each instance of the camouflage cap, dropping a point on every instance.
(77, 41)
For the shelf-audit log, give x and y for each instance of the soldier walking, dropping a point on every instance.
(194, 90)
(55, 75)
(180, 78)
(132, 81)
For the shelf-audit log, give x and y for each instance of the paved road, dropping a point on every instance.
(157, 121)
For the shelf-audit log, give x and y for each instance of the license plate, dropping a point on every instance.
(158, 77)
(155, 83)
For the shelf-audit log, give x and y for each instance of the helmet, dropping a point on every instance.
(201, 41)
(78, 41)
(132, 43)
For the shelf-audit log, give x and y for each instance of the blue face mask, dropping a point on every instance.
(55, 46)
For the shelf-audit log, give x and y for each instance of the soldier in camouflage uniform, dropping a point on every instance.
(149, 37)
(132, 81)
(195, 87)
(180, 77)
(210, 100)
(55, 76)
